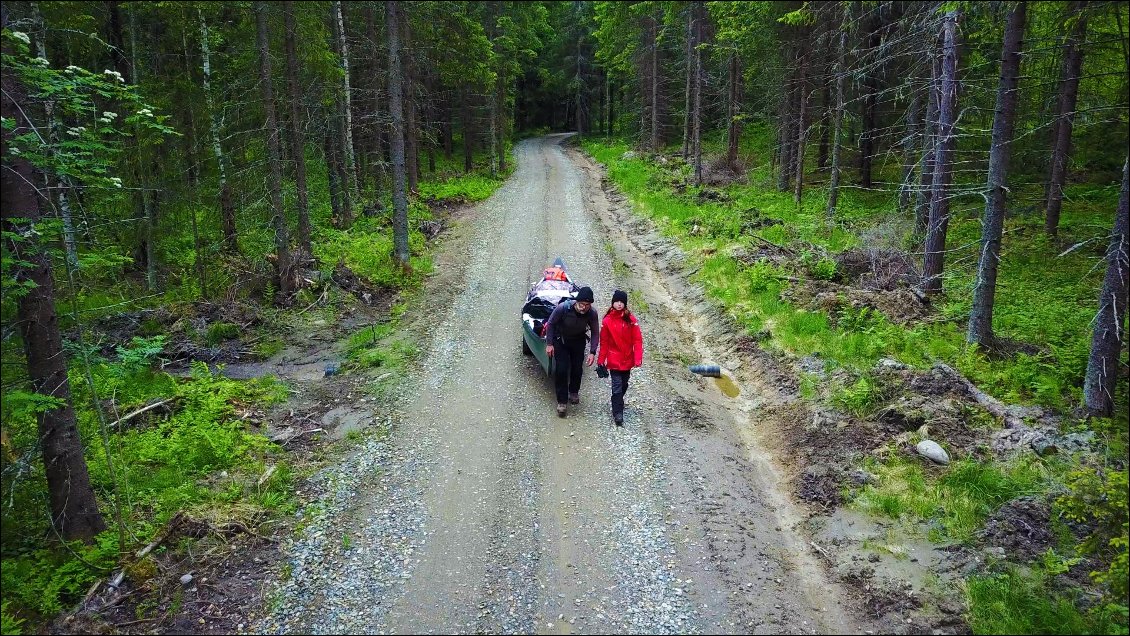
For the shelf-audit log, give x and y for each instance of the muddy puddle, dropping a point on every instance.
(289, 364)
(727, 385)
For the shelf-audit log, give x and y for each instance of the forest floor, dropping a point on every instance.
(439, 492)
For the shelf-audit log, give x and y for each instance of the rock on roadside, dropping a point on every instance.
(932, 451)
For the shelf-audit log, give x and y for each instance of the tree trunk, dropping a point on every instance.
(148, 206)
(610, 100)
(446, 130)
(826, 112)
(227, 208)
(62, 184)
(688, 92)
(468, 135)
(333, 169)
(297, 142)
(910, 135)
(1068, 94)
(734, 129)
(785, 133)
(700, 18)
(500, 124)
(346, 105)
(378, 126)
(408, 84)
(653, 31)
(74, 508)
(578, 79)
(802, 125)
(1109, 336)
(396, 109)
(611, 108)
(939, 203)
(867, 134)
(984, 290)
(837, 125)
(929, 146)
(282, 241)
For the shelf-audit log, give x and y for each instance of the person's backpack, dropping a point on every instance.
(545, 325)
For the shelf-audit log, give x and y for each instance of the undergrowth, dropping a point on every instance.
(753, 246)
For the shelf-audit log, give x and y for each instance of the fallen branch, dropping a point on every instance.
(316, 301)
(139, 411)
(821, 551)
(1013, 416)
(285, 439)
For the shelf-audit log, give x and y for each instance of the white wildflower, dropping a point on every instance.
(114, 74)
(145, 112)
(72, 68)
(39, 61)
(76, 131)
(14, 151)
(116, 181)
(107, 113)
(21, 36)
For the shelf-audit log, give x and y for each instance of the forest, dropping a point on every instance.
(864, 188)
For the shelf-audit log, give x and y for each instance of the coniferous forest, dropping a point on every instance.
(224, 222)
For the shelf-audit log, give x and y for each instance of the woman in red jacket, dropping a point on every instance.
(621, 349)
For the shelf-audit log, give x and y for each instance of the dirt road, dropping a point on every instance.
(481, 510)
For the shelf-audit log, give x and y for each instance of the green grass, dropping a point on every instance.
(958, 500)
(1021, 602)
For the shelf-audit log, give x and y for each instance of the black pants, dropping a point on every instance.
(569, 361)
(619, 390)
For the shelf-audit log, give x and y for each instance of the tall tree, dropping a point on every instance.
(227, 205)
(874, 21)
(297, 139)
(74, 508)
(141, 170)
(62, 183)
(1068, 96)
(943, 162)
(929, 146)
(1004, 121)
(346, 102)
(282, 240)
(393, 24)
(1109, 336)
(802, 123)
(734, 109)
(699, 80)
(688, 92)
(653, 78)
(909, 157)
(837, 127)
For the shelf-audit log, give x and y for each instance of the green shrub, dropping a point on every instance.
(1099, 497)
(1014, 602)
(220, 331)
(9, 624)
(861, 398)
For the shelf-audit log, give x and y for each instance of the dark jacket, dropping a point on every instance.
(566, 324)
(621, 341)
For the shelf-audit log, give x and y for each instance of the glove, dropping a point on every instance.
(601, 371)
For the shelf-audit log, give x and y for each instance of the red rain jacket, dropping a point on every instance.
(621, 343)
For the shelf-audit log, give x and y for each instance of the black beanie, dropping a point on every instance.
(584, 295)
(621, 296)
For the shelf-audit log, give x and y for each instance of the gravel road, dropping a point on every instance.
(479, 510)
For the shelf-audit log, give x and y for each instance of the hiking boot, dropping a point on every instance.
(574, 398)
(619, 419)
(561, 410)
